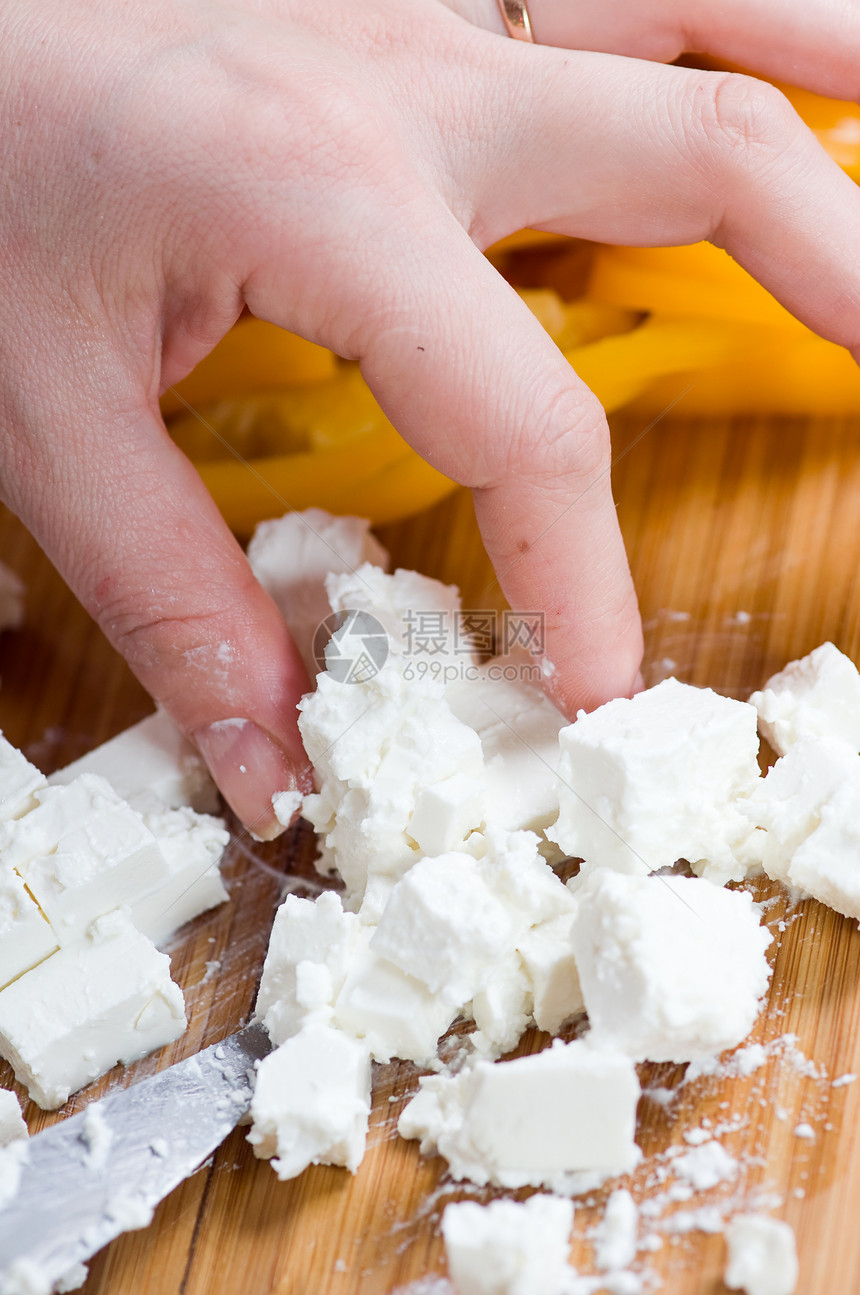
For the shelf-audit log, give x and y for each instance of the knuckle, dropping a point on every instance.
(566, 438)
(746, 121)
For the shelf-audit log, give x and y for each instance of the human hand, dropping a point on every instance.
(338, 169)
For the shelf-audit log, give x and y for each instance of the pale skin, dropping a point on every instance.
(338, 168)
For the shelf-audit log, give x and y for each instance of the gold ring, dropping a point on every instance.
(515, 16)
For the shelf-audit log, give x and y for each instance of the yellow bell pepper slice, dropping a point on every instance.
(809, 376)
(252, 356)
(617, 369)
(377, 476)
(700, 280)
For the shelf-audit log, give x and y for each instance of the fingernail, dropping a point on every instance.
(250, 768)
(638, 684)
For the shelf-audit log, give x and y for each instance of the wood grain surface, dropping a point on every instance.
(745, 546)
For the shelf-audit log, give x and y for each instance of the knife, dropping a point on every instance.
(103, 1171)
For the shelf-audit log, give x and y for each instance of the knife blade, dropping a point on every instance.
(95, 1175)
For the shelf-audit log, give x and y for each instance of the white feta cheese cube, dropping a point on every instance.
(312, 1102)
(508, 1247)
(817, 696)
(807, 805)
(547, 955)
(647, 781)
(291, 557)
(150, 765)
(518, 727)
(762, 1256)
(105, 999)
(445, 813)
(392, 1011)
(19, 781)
(12, 1126)
(526, 1122)
(671, 968)
(25, 936)
(444, 925)
(11, 599)
(82, 852)
(192, 846)
(306, 935)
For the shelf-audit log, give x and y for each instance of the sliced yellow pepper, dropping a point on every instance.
(700, 280)
(377, 476)
(807, 376)
(617, 369)
(253, 356)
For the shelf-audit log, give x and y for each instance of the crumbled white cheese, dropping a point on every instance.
(615, 1239)
(394, 1013)
(518, 727)
(452, 921)
(547, 955)
(419, 615)
(25, 935)
(375, 747)
(503, 1008)
(671, 968)
(192, 846)
(11, 599)
(444, 925)
(306, 964)
(762, 1256)
(19, 780)
(291, 557)
(526, 1122)
(807, 806)
(647, 781)
(13, 1156)
(311, 1102)
(105, 999)
(286, 805)
(72, 1280)
(97, 1137)
(82, 851)
(12, 1126)
(705, 1166)
(817, 696)
(446, 813)
(508, 1247)
(150, 765)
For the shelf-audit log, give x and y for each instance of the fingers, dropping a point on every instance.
(469, 377)
(814, 45)
(625, 151)
(128, 523)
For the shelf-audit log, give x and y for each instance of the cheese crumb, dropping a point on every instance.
(312, 1102)
(508, 1247)
(762, 1256)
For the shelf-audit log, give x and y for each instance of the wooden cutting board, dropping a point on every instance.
(745, 546)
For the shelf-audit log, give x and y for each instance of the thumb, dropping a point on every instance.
(128, 523)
